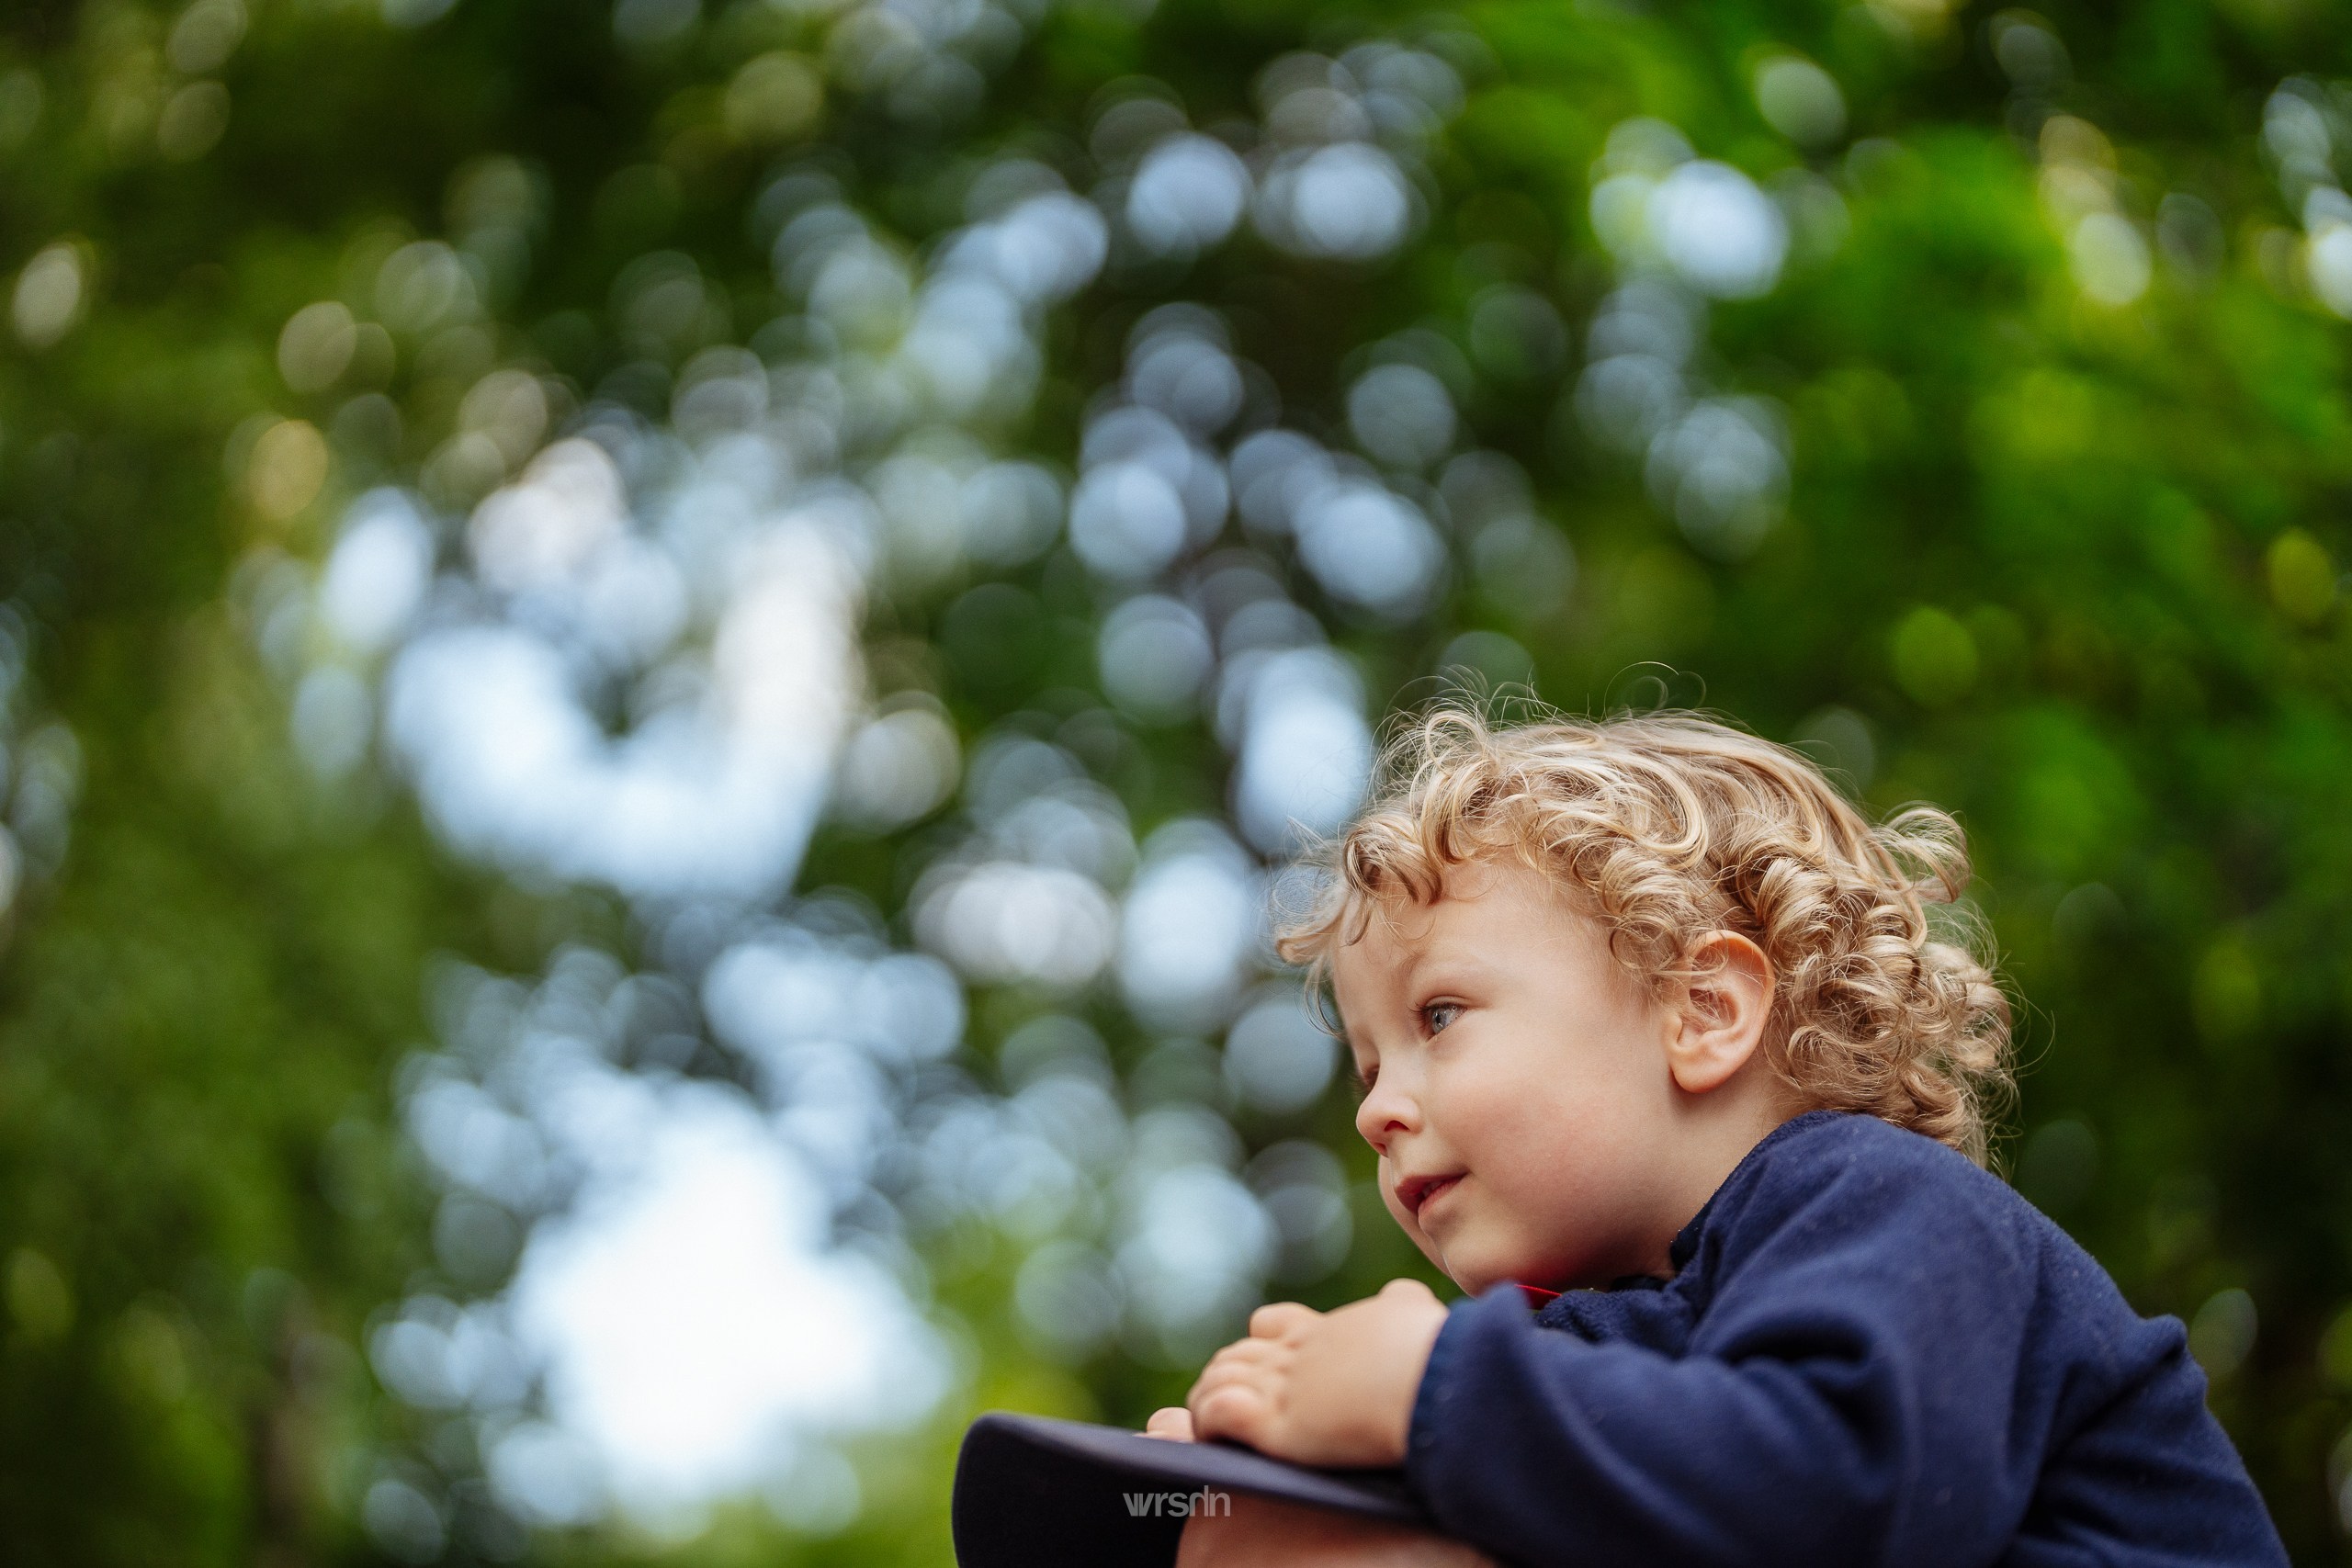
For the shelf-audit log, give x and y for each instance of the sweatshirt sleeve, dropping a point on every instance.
(1851, 1394)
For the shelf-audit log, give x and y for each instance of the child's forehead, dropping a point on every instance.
(1490, 902)
(1393, 925)
(1382, 926)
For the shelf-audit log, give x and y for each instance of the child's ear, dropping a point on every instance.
(1719, 1017)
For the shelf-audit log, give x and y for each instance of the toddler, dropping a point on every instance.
(1669, 1071)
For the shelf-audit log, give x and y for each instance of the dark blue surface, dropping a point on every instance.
(1871, 1352)
(1031, 1492)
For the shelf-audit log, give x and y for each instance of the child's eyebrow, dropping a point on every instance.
(1452, 957)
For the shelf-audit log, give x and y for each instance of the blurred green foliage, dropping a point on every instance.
(2073, 569)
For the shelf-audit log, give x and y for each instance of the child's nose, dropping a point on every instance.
(1386, 1112)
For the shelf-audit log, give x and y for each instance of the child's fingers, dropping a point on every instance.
(1277, 1318)
(1252, 1353)
(1225, 1372)
(1236, 1410)
(1172, 1422)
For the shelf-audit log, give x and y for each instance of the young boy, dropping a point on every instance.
(1650, 1017)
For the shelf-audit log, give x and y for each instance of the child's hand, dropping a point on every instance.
(1331, 1388)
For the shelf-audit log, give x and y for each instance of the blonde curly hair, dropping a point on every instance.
(1673, 826)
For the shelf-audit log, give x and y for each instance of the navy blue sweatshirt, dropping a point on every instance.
(1871, 1352)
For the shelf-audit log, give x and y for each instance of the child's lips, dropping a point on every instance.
(1417, 1192)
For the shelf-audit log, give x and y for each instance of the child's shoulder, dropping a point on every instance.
(1843, 1178)
(1850, 1157)
(1856, 1216)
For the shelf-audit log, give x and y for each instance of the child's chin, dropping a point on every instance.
(1476, 1275)
(1476, 1259)
(1478, 1270)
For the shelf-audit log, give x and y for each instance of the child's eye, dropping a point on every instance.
(1437, 1016)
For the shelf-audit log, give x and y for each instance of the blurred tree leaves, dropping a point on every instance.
(2075, 570)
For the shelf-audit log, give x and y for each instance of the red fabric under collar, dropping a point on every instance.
(1538, 1297)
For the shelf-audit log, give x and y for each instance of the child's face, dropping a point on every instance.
(1521, 1097)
